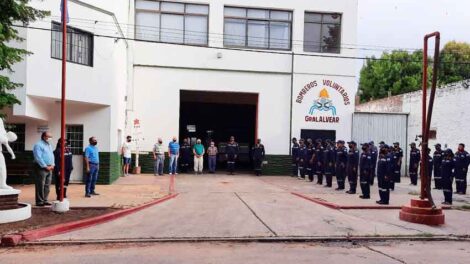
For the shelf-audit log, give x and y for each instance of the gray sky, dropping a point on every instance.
(403, 23)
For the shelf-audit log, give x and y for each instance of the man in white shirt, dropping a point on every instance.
(126, 155)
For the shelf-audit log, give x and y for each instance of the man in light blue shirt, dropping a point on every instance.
(92, 161)
(43, 168)
(173, 152)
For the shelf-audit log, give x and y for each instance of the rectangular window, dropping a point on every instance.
(79, 45)
(257, 28)
(19, 130)
(171, 22)
(322, 32)
(74, 133)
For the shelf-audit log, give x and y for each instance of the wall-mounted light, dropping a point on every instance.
(219, 55)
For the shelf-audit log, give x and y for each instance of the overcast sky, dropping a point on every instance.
(403, 23)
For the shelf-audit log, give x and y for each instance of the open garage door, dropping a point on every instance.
(217, 116)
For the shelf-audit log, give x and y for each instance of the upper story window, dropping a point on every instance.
(257, 28)
(19, 130)
(79, 45)
(322, 32)
(171, 22)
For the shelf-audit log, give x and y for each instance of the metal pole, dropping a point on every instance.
(62, 103)
(423, 117)
(425, 181)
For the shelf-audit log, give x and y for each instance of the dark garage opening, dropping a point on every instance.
(217, 116)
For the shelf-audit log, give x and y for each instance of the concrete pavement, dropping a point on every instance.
(221, 206)
(248, 253)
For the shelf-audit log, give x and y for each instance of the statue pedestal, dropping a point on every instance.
(10, 209)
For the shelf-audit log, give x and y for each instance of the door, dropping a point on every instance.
(318, 134)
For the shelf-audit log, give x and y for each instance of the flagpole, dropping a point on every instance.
(62, 103)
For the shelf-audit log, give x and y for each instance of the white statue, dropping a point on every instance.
(5, 137)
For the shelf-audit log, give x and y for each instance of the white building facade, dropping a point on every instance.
(208, 69)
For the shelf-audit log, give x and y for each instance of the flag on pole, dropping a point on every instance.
(62, 12)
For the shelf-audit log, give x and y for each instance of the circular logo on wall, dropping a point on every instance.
(322, 107)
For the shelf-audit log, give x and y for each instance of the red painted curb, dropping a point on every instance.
(350, 207)
(67, 227)
(318, 201)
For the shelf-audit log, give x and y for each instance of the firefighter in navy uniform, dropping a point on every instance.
(397, 158)
(258, 157)
(353, 162)
(375, 153)
(329, 163)
(365, 166)
(447, 170)
(341, 163)
(303, 163)
(383, 175)
(415, 158)
(186, 152)
(462, 160)
(437, 162)
(319, 163)
(231, 153)
(309, 161)
(295, 158)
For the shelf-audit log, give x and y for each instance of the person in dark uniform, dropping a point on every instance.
(295, 158)
(329, 163)
(186, 152)
(415, 158)
(258, 157)
(319, 162)
(68, 166)
(365, 166)
(374, 153)
(383, 175)
(303, 162)
(437, 162)
(231, 153)
(462, 160)
(382, 144)
(447, 170)
(397, 159)
(353, 162)
(309, 161)
(341, 162)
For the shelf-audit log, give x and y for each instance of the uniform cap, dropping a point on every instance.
(437, 145)
(382, 143)
(340, 142)
(352, 143)
(396, 143)
(449, 151)
(371, 143)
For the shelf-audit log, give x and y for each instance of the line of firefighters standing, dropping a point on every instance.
(328, 158)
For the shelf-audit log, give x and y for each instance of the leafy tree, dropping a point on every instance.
(455, 62)
(400, 72)
(395, 73)
(13, 12)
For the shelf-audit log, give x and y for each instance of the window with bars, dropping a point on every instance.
(171, 22)
(257, 28)
(74, 133)
(79, 44)
(322, 32)
(19, 130)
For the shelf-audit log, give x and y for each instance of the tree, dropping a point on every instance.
(19, 12)
(400, 72)
(395, 73)
(455, 62)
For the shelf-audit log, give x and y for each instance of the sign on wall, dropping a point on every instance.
(324, 99)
